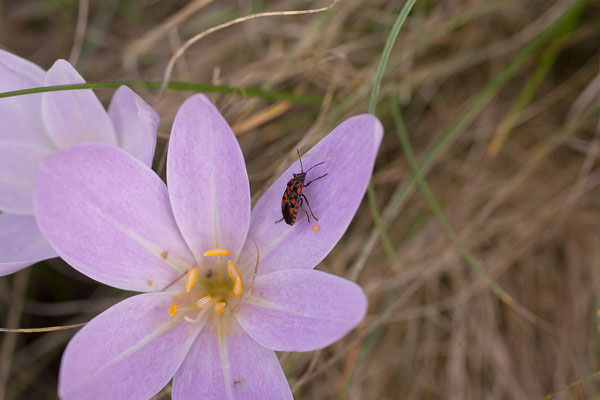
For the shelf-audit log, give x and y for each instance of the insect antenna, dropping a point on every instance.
(316, 165)
(300, 158)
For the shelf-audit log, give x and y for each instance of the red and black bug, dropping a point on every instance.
(293, 198)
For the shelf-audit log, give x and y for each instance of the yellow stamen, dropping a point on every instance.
(233, 271)
(173, 309)
(191, 278)
(216, 252)
(237, 288)
(204, 301)
(219, 307)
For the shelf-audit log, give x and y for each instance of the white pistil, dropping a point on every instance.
(202, 304)
(197, 319)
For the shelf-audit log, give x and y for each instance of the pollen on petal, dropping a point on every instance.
(204, 301)
(219, 307)
(191, 278)
(233, 271)
(216, 252)
(164, 255)
(315, 228)
(237, 288)
(149, 282)
(173, 309)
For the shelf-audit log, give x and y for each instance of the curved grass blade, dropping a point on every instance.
(180, 86)
(39, 330)
(417, 173)
(389, 44)
(479, 102)
(570, 385)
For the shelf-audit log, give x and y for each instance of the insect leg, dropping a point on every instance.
(308, 204)
(279, 220)
(315, 180)
(300, 202)
(306, 214)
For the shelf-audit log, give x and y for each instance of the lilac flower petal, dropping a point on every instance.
(135, 124)
(130, 351)
(21, 113)
(207, 179)
(18, 165)
(229, 366)
(108, 215)
(21, 243)
(74, 116)
(349, 153)
(301, 310)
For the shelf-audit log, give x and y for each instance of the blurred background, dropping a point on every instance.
(482, 281)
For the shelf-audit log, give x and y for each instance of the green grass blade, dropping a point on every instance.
(439, 214)
(570, 385)
(529, 90)
(417, 174)
(180, 86)
(389, 44)
(555, 29)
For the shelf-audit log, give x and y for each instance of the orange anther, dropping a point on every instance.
(216, 252)
(219, 307)
(237, 288)
(173, 309)
(191, 278)
(233, 271)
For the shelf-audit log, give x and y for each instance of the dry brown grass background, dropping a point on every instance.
(526, 208)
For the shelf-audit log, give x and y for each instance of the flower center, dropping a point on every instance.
(209, 288)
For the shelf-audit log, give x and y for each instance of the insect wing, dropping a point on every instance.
(286, 207)
(289, 215)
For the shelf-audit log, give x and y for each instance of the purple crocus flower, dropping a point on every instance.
(225, 287)
(35, 126)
